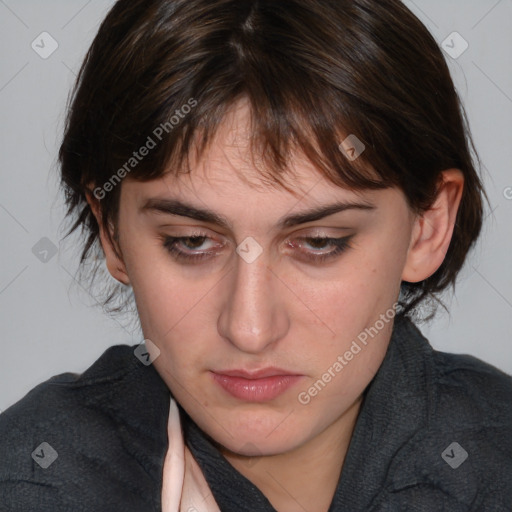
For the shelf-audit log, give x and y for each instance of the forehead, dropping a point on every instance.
(223, 178)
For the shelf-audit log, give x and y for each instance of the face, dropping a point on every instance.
(259, 344)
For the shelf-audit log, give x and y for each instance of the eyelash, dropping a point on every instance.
(340, 245)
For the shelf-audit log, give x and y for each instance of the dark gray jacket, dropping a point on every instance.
(434, 434)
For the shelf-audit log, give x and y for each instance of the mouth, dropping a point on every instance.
(255, 386)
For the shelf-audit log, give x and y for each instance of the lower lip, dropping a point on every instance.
(256, 390)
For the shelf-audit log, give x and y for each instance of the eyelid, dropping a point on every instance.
(330, 241)
(302, 234)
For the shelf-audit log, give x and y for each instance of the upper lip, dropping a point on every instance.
(256, 374)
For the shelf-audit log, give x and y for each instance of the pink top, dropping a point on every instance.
(184, 488)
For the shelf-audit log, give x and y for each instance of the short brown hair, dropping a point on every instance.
(313, 71)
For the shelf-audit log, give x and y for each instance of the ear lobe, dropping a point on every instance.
(114, 262)
(433, 230)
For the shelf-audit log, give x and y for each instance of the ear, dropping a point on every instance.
(113, 259)
(432, 231)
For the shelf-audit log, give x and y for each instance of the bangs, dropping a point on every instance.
(276, 133)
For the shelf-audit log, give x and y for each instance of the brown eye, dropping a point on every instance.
(339, 245)
(179, 247)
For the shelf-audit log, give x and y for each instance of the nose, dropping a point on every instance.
(253, 317)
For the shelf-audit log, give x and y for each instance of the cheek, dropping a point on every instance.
(176, 314)
(355, 291)
(347, 307)
(347, 359)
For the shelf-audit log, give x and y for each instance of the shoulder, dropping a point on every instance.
(472, 394)
(464, 449)
(460, 390)
(473, 404)
(63, 444)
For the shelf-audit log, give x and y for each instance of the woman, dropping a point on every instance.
(283, 187)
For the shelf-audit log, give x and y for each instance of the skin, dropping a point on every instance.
(280, 310)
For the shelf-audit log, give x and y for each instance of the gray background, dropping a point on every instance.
(50, 326)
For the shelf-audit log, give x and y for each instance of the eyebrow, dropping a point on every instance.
(183, 209)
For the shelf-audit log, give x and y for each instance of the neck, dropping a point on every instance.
(306, 477)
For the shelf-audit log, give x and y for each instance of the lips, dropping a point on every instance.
(256, 374)
(255, 386)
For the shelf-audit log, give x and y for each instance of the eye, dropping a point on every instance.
(338, 245)
(180, 247)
